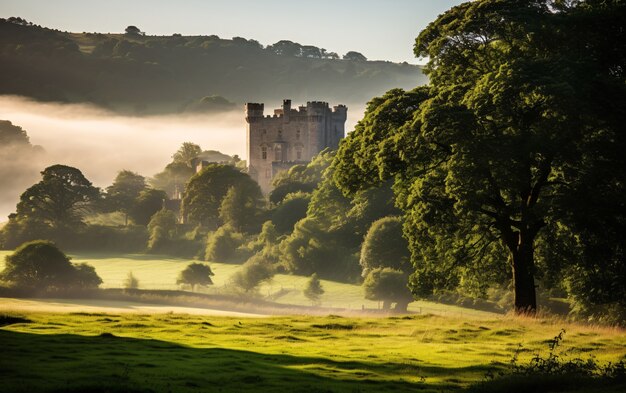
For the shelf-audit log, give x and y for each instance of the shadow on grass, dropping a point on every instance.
(107, 363)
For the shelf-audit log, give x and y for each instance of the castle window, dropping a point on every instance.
(278, 153)
(280, 134)
(298, 154)
(298, 134)
(263, 152)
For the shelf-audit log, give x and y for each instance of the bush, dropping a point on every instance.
(223, 244)
(254, 272)
(162, 228)
(313, 289)
(41, 265)
(390, 286)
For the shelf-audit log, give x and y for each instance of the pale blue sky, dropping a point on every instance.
(380, 29)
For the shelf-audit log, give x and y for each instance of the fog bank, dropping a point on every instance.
(101, 143)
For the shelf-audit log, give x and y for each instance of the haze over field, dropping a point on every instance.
(101, 143)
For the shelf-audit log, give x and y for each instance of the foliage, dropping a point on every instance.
(255, 271)
(503, 147)
(223, 244)
(12, 134)
(162, 230)
(40, 265)
(265, 242)
(313, 289)
(388, 285)
(291, 210)
(122, 194)
(129, 73)
(206, 190)
(173, 178)
(241, 210)
(354, 56)
(131, 282)
(187, 152)
(147, 203)
(385, 246)
(195, 274)
(60, 199)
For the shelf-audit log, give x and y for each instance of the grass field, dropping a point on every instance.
(190, 353)
(156, 272)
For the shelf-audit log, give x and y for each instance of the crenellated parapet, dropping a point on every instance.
(290, 135)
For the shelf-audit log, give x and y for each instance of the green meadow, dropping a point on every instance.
(100, 352)
(160, 272)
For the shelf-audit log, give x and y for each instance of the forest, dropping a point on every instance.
(137, 73)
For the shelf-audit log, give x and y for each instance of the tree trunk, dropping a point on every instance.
(524, 276)
(386, 305)
(401, 306)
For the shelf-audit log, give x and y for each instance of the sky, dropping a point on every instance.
(379, 29)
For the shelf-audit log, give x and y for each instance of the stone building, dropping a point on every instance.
(290, 136)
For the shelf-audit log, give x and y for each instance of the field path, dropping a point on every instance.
(107, 306)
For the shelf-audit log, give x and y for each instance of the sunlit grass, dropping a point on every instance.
(167, 351)
(160, 272)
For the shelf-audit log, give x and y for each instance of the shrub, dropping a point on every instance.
(41, 265)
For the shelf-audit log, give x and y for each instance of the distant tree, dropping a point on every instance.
(146, 205)
(312, 52)
(86, 276)
(385, 246)
(195, 274)
(59, 199)
(122, 194)
(252, 274)
(286, 48)
(133, 30)
(206, 190)
(354, 56)
(162, 228)
(390, 286)
(187, 152)
(313, 289)
(221, 245)
(12, 135)
(241, 209)
(173, 178)
(41, 265)
(131, 282)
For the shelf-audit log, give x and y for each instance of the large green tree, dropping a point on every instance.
(205, 191)
(523, 113)
(60, 199)
(126, 187)
(40, 265)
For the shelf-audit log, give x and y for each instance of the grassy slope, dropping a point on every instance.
(183, 353)
(156, 272)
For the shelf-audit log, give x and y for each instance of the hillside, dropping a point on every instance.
(164, 74)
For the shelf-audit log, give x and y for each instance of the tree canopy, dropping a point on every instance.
(196, 274)
(59, 199)
(509, 145)
(41, 265)
(206, 190)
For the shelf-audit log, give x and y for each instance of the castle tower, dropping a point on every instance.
(290, 136)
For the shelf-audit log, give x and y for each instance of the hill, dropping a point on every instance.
(135, 73)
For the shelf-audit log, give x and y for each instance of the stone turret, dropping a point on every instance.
(290, 136)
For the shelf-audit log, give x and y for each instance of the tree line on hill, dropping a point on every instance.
(136, 73)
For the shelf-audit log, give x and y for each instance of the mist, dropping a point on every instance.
(100, 143)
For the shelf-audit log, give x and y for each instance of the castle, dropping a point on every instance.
(290, 137)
